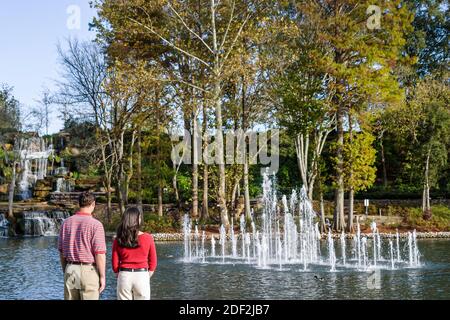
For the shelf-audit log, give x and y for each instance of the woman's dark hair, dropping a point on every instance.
(128, 229)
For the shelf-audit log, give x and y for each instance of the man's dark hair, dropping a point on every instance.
(86, 199)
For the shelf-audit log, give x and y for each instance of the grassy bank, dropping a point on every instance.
(395, 217)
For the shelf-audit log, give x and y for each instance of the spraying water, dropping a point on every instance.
(289, 234)
(343, 248)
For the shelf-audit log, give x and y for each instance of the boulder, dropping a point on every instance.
(4, 188)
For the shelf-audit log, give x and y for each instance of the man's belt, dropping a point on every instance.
(81, 263)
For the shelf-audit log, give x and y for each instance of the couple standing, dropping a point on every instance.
(82, 250)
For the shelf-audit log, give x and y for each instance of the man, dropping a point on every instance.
(83, 253)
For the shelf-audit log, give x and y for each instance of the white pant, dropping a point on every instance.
(133, 286)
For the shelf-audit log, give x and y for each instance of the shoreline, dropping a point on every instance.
(167, 237)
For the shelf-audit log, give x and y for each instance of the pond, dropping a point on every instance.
(30, 269)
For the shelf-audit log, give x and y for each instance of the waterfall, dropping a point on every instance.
(63, 185)
(40, 223)
(34, 154)
(4, 225)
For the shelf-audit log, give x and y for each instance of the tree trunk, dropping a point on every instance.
(246, 188)
(195, 167)
(339, 222)
(219, 122)
(121, 174)
(351, 195)
(322, 213)
(158, 161)
(160, 199)
(301, 148)
(205, 207)
(139, 170)
(383, 162)
(426, 208)
(175, 187)
(130, 173)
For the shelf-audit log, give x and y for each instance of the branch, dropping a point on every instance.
(228, 26)
(170, 43)
(189, 29)
(234, 41)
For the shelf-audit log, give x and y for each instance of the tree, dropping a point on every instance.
(9, 159)
(9, 110)
(114, 95)
(358, 61)
(38, 119)
(428, 42)
(359, 171)
(214, 30)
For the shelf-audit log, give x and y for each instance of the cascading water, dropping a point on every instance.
(343, 248)
(63, 185)
(4, 225)
(187, 237)
(203, 253)
(213, 246)
(34, 154)
(37, 223)
(391, 250)
(223, 240)
(331, 254)
(287, 236)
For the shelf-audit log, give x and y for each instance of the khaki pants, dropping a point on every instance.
(133, 286)
(81, 282)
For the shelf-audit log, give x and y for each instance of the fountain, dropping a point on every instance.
(34, 153)
(331, 254)
(187, 237)
(343, 248)
(213, 246)
(391, 250)
(287, 237)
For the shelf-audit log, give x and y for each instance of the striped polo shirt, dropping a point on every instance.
(81, 237)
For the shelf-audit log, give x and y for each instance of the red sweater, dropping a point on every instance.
(143, 256)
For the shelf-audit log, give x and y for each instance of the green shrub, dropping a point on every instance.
(440, 219)
(156, 224)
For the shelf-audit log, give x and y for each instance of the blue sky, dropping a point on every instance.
(29, 33)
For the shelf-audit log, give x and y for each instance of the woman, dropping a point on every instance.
(133, 258)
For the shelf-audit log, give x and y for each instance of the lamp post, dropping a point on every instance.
(366, 205)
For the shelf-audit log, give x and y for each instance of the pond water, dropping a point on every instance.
(30, 269)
